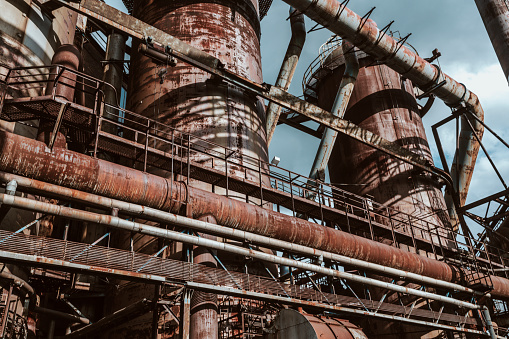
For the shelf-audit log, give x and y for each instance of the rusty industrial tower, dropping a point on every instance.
(138, 200)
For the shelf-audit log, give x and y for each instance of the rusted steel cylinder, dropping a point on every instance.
(61, 83)
(88, 174)
(188, 98)
(382, 102)
(203, 321)
(28, 158)
(495, 15)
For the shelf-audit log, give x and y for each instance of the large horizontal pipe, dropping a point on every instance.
(30, 158)
(42, 188)
(33, 159)
(131, 226)
(365, 34)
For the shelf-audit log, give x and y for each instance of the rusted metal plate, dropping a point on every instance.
(188, 98)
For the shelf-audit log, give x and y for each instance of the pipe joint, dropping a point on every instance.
(461, 102)
(11, 187)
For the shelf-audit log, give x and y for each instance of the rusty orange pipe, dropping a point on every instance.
(32, 159)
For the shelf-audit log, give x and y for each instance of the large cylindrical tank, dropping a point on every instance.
(384, 103)
(291, 324)
(189, 100)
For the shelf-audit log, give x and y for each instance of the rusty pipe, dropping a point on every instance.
(131, 226)
(366, 36)
(20, 283)
(61, 83)
(495, 16)
(288, 67)
(30, 158)
(203, 322)
(42, 188)
(338, 109)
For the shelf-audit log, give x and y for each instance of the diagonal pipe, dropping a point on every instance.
(288, 67)
(365, 34)
(338, 109)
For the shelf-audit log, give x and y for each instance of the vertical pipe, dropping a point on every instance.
(203, 322)
(495, 15)
(68, 56)
(338, 109)
(489, 324)
(185, 314)
(288, 67)
(115, 50)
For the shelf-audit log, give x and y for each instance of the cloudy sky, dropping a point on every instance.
(452, 26)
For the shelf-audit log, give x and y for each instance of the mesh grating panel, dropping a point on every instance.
(180, 271)
(23, 109)
(264, 7)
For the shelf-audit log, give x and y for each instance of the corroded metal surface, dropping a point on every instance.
(204, 61)
(188, 98)
(383, 103)
(291, 324)
(30, 158)
(366, 35)
(495, 15)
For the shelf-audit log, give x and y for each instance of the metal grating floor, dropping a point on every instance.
(175, 271)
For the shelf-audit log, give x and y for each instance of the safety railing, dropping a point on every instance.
(144, 266)
(152, 144)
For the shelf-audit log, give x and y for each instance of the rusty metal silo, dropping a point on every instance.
(188, 98)
(191, 101)
(384, 103)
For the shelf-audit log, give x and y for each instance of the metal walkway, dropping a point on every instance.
(150, 144)
(97, 260)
